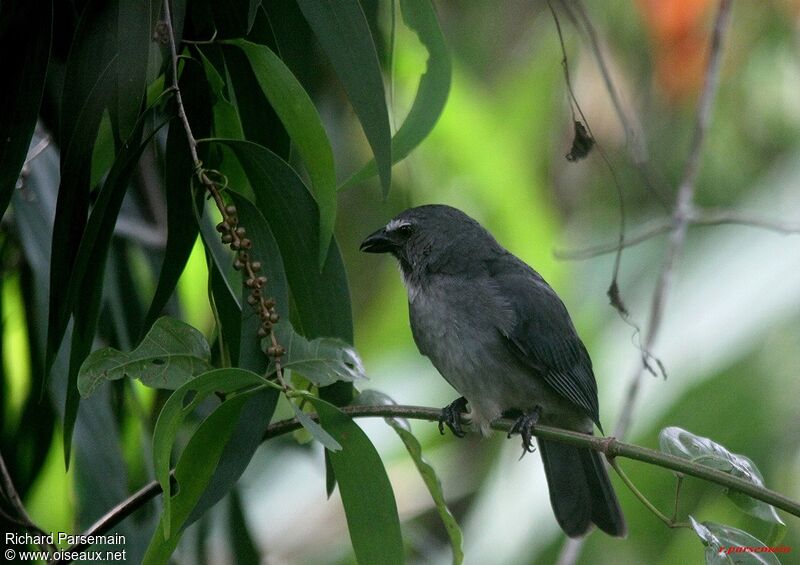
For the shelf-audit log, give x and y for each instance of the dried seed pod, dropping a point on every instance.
(233, 220)
(262, 332)
(250, 283)
(256, 292)
(241, 232)
(255, 265)
(252, 300)
(235, 245)
(230, 209)
(223, 227)
(269, 303)
(244, 256)
(238, 265)
(246, 243)
(263, 280)
(274, 317)
(227, 238)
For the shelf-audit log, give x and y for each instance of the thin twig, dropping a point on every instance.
(700, 217)
(683, 209)
(682, 212)
(644, 500)
(634, 134)
(9, 492)
(609, 446)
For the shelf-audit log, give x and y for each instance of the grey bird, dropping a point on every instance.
(500, 335)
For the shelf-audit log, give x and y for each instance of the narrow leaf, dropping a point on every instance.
(265, 250)
(315, 429)
(25, 41)
(171, 353)
(193, 473)
(301, 120)
(322, 298)
(133, 45)
(344, 34)
(367, 495)
(89, 82)
(426, 471)
(181, 234)
(177, 407)
(434, 87)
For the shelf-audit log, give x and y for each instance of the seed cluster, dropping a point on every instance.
(235, 236)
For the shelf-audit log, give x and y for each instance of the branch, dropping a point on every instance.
(684, 205)
(9, 492)
(699, 217)
(609, 446)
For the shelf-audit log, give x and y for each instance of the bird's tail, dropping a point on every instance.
(580, 490)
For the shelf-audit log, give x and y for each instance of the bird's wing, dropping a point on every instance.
(541, 335)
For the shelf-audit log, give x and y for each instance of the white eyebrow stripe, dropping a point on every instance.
(395, 224)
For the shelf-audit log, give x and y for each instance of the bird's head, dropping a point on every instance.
(429, 234)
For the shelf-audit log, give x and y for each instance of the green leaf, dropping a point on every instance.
(265, 250)
(728, 546)
(177, 407)
(254, 419)
(322, 298)
(304, 125)
(84, 286)
(698, 449)
(323, 361)
(193, 473)
(171, 353)
(26, 42)
(344, 34)
(426, 471)
(434, 87)
(89, 82)
(315, 429)
(245, 551)
(181, 234)
(133, 45)
(367, 495)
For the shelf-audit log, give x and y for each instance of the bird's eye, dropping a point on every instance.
(405, 229)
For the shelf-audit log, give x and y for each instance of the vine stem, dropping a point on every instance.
(609, 446)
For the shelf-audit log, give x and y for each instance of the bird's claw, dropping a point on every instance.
(524, 427)
(451, 417)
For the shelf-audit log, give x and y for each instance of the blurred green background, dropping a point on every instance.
(730, 340)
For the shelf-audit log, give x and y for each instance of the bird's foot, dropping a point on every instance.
(524, 427)
(451, 417)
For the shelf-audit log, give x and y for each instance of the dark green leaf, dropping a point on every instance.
(367, 495)
(265, 250)
(245, 439)
(90, 81)
(193, 473)
(728, 546)
(177, 407)
(181, 234)
(133, 45)
(428, 474)
(301, 120)
(698, 449)
(315, 429)
(322, 298)
(434, 86)
(322, 361)
(227, 315)
(344, 34)
(85, 278)
(234, 18)
(259, 121)
(244, 550)
(25, 43)
(171, 353)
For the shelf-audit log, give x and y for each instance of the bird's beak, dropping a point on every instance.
(378, 242)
